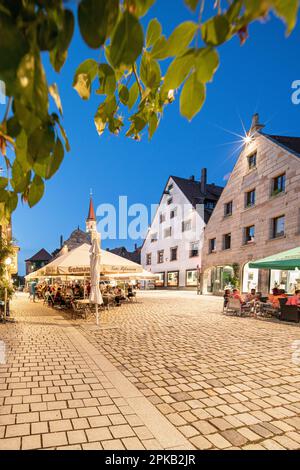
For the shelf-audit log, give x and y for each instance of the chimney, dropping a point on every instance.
(203, 181)
(61, 241)
(255, 126)
(192, 178)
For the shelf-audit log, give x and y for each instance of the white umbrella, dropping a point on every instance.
(95, 257)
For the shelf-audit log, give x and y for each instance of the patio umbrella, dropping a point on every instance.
(95, 256)
(286, 261)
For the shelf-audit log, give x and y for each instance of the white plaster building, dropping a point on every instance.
(173, 245)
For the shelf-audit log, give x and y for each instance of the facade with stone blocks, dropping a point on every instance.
(257, 215)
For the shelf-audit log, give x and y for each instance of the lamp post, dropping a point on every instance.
(7, 262)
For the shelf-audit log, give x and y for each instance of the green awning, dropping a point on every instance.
(286, 261)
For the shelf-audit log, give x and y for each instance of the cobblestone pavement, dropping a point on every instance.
(58, 392)
(167, 372)
(224, 382)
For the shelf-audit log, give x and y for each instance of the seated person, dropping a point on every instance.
(236, 295)
(58, 298)
(295, 299)
(251, 295)
(130, 293)
(227, 295)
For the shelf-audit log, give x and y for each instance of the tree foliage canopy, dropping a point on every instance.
(136, 78)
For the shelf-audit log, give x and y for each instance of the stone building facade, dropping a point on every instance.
(257, 215)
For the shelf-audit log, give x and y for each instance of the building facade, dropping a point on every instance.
(258, 215)
(172, 248)
(37, 261)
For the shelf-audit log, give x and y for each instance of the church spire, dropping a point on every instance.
(91, 222)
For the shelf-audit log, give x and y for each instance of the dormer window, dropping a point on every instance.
(252, 160)
(170, 187)
(210, 205)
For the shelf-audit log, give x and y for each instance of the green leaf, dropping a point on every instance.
(12, 201)
(159, 50)
(56, 159)
(20, 177)
(47, 34)
(3, 182)
(84, 76)
(100, 119)
(153, 32)
(192, 4)
(150, 71)
(107, 79)
(62, 131)
(13, 47)
(216, 30)
(66, 25)
(207, 62)
(179, 70)
(288, 11)
(127, 41)
(21, 150)
(133, 95)
(180, 39)
(97, 19)
(32, 84)
(36, 191)
(140, 7)
(53, 90)
(40, 144)
(153, 124)
(192, 97)
(13, 127)
(123, 94)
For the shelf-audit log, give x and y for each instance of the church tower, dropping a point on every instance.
(91, 222)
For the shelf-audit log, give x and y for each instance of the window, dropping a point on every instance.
(228, 209)
(160, 282)
(227, 241)
(210, 205)
(278, 184)
(249, 234)
(194, 251)
(170, 201)
(148, 259)
(173, 254)
(170, 187)
(168, 232)
(173, 213)
(191, 278)
(162, 218)
(186, 226)
(250, 198)
(252, 161)
(212, 245)
(160, 257)
(278, 227)
(154, 237)
(173, 279)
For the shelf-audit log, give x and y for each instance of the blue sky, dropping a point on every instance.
(254, 78)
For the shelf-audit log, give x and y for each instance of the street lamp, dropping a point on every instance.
(7, 262)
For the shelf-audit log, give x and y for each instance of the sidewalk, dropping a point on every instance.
(58, 392)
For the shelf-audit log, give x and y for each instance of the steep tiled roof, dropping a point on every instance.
(41, 255)
(290, 143)
(192, 190)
